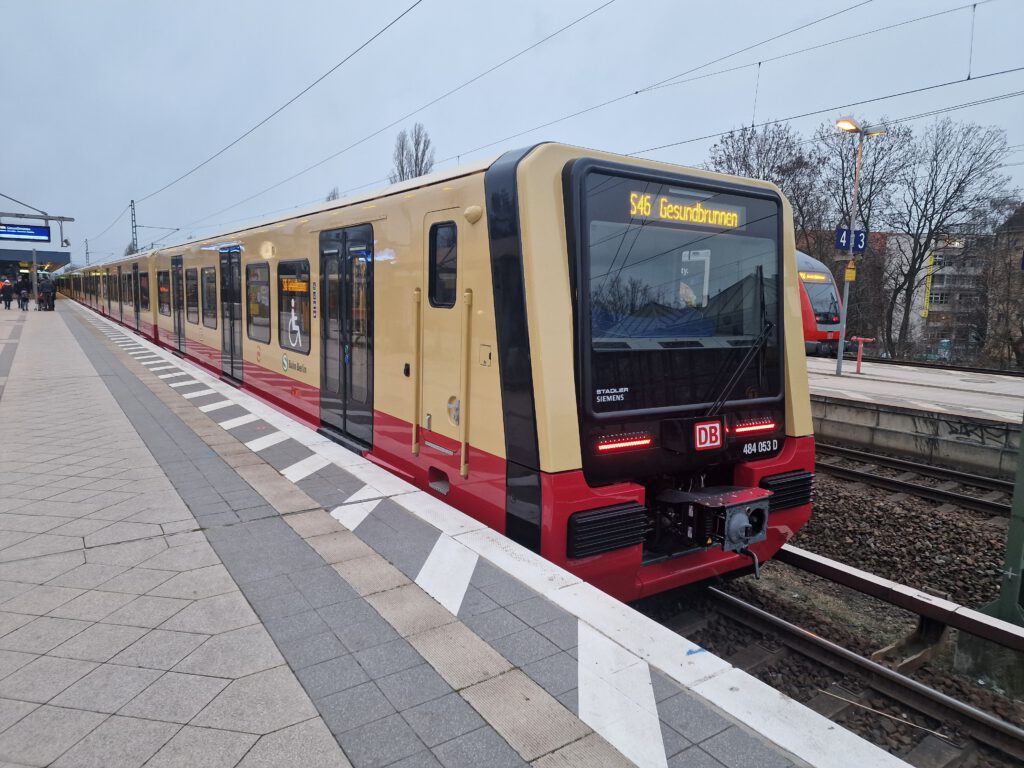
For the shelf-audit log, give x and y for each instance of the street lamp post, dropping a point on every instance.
(850, 125)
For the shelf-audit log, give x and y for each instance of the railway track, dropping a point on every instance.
(943, 367)
(905, 485)
(956, 717)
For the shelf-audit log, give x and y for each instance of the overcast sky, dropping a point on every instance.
(108, 101)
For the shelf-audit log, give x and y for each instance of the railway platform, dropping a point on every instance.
(986, 396)
(963, 420)
(190, 578)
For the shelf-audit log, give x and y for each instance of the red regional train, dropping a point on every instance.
(819, 305)
(598, 356)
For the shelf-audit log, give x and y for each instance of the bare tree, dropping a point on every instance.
(130, 249)
(334, 194)
(883, 164)
(413, 155)
(778, 154)
(1004, 278)
(951, 179)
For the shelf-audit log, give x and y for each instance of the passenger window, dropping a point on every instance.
(163, 292)
(210, 297)
(443, 262)
(257, 302)
(293, 305)
(192, 295)
(144, 292)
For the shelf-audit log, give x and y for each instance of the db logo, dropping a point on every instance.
(707, 435)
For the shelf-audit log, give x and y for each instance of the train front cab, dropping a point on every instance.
(820, 306)
(630, 474)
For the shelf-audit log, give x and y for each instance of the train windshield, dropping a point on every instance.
(680, 284)
(821, 292)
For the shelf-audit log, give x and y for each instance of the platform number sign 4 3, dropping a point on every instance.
(859, 237)
(707, 435)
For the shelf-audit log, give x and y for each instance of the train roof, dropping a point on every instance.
(438, 177)
(804, 261)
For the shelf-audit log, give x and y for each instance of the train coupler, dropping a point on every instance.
(733, 517)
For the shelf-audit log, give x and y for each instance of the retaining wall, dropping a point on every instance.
(967, 443)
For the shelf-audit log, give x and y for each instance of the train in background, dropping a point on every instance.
(598, 356)
(820, 306)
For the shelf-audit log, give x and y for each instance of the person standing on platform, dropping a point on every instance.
(24, 289)
(44, 299)
(6, 293)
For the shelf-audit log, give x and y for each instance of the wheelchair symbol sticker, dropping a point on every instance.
(294, 331)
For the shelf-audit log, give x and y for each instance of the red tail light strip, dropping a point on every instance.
(754, 427)
(625, 444)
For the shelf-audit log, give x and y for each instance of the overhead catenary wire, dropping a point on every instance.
(833, 108)
(891, 121)
(445, 95)
(673, 81)
(111, 224)
(284, 106)
(657, 85)
(414, 112)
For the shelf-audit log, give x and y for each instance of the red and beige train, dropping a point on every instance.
(598, 356)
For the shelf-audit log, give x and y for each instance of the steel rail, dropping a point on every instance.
(941, 367)
(927, 470)
(902, 486)
(980, 725)
(939, 609)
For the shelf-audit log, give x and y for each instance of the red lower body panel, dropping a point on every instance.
(482, 494)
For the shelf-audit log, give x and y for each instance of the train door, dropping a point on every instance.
(108, 291)
(178, 302)
(440, 377)
(231, 313)
(120, 295)
(136, 298)
(346, 333)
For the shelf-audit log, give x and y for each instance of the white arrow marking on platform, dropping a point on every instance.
(351, 515)
(446, 573)
(305, 468)
(616, 699)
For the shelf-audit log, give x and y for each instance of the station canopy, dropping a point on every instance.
(14, 260)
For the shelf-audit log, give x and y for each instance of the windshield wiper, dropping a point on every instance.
(759, 342)
(766, 329)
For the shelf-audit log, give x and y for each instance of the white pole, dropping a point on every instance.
(846, 283)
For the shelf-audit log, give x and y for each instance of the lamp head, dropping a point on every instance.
(848, 124)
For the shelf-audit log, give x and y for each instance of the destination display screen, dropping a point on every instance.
(679, 284)
(684, 207)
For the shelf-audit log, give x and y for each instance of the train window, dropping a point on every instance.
(443, 263)
(682, 284)
(293, 305)
(210, 297)
(257, 302)
(192, 295)
(163, 291)
(144, 292)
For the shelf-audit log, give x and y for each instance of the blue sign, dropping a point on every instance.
(25, 232)
(860, 240)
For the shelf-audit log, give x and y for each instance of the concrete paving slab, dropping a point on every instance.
(203, 748)
(120, 742)
(261, 703)
(337, 643)
(304, 745)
